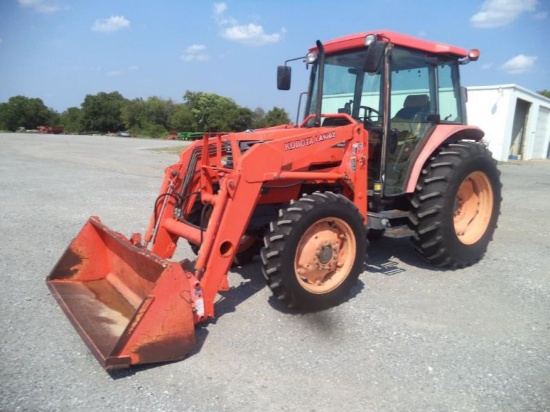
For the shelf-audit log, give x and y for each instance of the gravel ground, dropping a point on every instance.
(410, 338)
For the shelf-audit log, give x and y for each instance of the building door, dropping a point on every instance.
(539, 148)
(519, 128)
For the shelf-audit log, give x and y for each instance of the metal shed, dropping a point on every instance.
(516, 121)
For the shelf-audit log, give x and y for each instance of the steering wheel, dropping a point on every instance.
(369, 111)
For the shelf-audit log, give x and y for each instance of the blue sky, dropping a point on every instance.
(61, 50)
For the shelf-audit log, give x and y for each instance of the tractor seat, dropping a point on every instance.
(414, 103)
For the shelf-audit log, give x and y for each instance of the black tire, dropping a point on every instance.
(252, 244)
(456, 205)
(319, 237)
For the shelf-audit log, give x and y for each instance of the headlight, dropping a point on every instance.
(311, 57)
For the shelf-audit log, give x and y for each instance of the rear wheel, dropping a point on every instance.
(456, 205)
(314, 251)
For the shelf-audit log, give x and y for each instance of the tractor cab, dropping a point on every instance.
(399, 103)
(400, 88)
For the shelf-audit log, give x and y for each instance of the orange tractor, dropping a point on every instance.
(383, 149)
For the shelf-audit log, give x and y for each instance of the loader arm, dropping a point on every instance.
(129, 303)
(269, 162)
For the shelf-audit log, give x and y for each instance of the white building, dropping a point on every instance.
(516, 121)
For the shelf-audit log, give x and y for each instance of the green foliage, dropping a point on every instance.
(258, 118)
(277, 116)
(182, 118)
(71, 120)
(240, 119)
(211, 112)
(545, 93)
(21, 111)
(153, 117)
(102, 112)
(146, 115)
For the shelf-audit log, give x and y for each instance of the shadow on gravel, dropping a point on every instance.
(387, 256)
(252, 282)
(133, 370)
(281, 307)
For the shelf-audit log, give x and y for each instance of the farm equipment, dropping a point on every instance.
(383, 149)
(174, 135)
(50, 129)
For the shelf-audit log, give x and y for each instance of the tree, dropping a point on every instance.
(276, 116)
(258, 118)
(158, 110)
(240, 119)
(102, 112)
(21, 111)
(545, 93)
(71, 120)
(182, 119)
(111, 112)
(212, 112)
(149, 117)
(133, 114)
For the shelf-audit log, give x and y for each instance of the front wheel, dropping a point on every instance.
(314, 251)
(456, 205)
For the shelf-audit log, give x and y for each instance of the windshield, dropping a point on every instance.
(346, 88)
(423, 90)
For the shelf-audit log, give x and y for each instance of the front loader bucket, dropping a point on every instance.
(127, 304)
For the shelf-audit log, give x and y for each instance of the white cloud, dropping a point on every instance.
(41, 6)
(487, 66)
(195, 48)
(219, 8)
(250, 34)
(193, 53)
(120, 72)
(111, 24)
(1, 40)
(541, 15)
(496, 13)
(519, 64)
(114, 73)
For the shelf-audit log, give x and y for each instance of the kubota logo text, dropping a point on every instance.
(308, 141)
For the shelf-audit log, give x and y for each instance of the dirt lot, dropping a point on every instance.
(410, 338)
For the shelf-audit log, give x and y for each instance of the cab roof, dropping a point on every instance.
(355, 41)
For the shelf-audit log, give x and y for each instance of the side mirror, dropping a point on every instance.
(375, 52)
(284, 74)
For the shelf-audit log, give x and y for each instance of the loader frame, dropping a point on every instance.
(303, 190)
(273, 172)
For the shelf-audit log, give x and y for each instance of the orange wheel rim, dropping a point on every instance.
(325, 255)
(473, 207)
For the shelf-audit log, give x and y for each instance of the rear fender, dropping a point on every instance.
(441, 135)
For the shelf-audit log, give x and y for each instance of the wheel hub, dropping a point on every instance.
(324, 254)
(473, 207)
